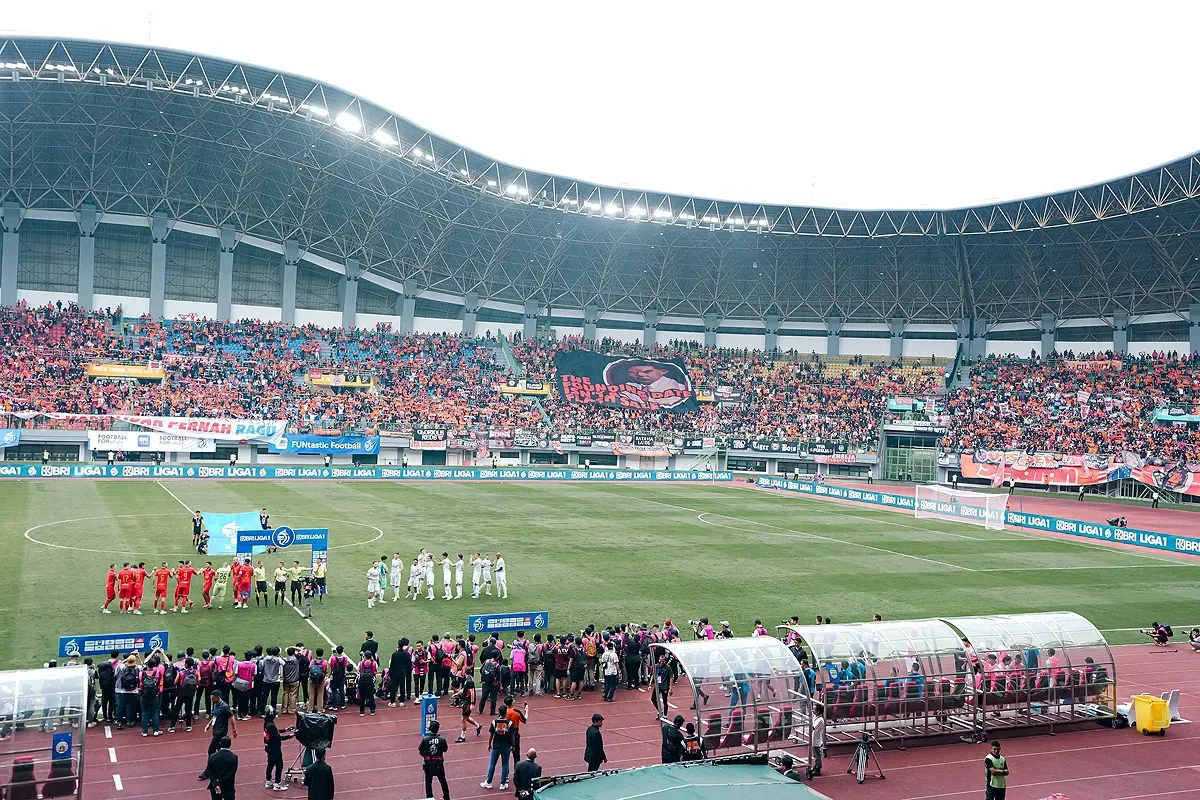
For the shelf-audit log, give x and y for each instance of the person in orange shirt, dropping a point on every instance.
(125, 588)
(110, 588)
(162, 577)
(183, 586)
(209, 574)
(139, 585)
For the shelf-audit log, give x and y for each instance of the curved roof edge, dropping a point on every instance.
(225, 80)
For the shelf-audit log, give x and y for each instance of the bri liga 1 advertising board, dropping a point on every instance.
(518, 621)
(91, 644)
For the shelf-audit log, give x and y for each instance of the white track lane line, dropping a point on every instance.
(117, 782)
(112, 755)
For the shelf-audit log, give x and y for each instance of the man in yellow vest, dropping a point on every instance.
(997, 773)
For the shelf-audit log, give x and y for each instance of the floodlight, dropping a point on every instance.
(637, 211)
(462, 172)
(611, 208)
(383, 137)
(348, 122)
(511, 189)
(662, 213)
(491, 182)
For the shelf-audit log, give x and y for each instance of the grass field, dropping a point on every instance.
(589, 553)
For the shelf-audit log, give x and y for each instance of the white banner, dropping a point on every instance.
(223, 430)
(149, 441)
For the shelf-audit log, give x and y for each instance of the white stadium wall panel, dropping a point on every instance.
(1012, 347)
(620, 334)
(263, 313)
(431, 325)
(185, 308)
(865, 347)
(804, 344)
(666, 337)
(923, 348)
(370, 321)
(739, 341)
(324, 319)
(35, 298)
(130, 306)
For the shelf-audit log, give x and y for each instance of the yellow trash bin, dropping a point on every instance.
(1151, 714)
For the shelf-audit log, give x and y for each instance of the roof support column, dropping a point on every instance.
(833, 339)
(227, 238)
(1120, 332)
(470, 313)
(406, 307)
(1049, 329)
(896, 326)
(531, 315)
(649, 327)
(87, 255)
(711, 323)
(771, 340)
(158, 264)
(291, 257)
(354, 271)
(10, 217)
(979, 339)
(1193, 327)
(591, 316)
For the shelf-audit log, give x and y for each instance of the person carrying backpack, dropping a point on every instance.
(127, 692)
(224, 670)
(489, 677)
(204, 683)
(338, 663)
(170, 687)
(150, 688)
(368, 670)
(106, 679)
(189, 682)
(317, 670)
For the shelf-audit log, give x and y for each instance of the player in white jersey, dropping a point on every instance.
(429, 576)
(476, 575)
(397, 575)
(372, 583)
(446, 595)
(501, 578)
(414, 581)
(487, 574)
(458, 576)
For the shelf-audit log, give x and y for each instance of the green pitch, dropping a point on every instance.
(589, 553)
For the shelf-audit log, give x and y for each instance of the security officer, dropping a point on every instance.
(997, 773)
(433, 751)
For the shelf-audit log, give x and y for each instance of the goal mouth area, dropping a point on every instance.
(985, 509)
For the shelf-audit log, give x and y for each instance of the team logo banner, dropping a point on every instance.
(223, 530)
(220, 429)
(10, 437)
(622, 382)
(306, 443)
(428, 439)
(90, 644)
(151, 441)
(519, 621)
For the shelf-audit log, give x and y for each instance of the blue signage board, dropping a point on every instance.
(91, 644)
(366, 472)
(10, 437)
(517, 621)
(60, 746)
(429, 708)
(308, 443)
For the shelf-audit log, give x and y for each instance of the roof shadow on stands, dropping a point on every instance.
(967, 678)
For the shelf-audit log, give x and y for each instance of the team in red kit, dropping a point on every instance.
(126, 586)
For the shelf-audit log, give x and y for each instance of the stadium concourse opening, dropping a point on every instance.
(959, 677)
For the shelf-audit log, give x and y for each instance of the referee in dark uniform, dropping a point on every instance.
(433, 751)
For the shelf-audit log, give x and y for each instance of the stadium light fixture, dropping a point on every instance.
(637, 211)
(463, 172)
(611, 208)
(662, 213)
(511, 189)
(429, 156)
(491, 183)
(316, 111)
(348, 122)
(735, 220)
(418, 152)
(382, 137)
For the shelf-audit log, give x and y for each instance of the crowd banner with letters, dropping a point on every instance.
(148, 441)
(129, 371)
(1177, 414)
(517, 621)
(624, 382)
(1062, 469)
(514, 385)
(10, 437)
(373, 472)
(309, 443)
(727, 394)
(836, 458)
(223, 430)
(1096, 365)
(92, 644)
(1153, 540)
(428, 439)
(223, 530)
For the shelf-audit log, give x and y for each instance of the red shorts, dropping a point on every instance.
(110, 592)
(183, 591)
(126, 593)
(160, 591)
(207, 588)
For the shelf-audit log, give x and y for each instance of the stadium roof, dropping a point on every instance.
(134, 130)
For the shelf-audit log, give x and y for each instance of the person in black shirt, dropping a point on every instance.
(400, 675)
(197, 528)
(222, 724)
(433, 751)
(672, 740)
(264, 519)
(593, 751)
(369, 644)
(318, 777)
(273, 744)
(526, 774)
(221, 772)
(693, 745)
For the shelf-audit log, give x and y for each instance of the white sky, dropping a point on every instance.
(846, 104)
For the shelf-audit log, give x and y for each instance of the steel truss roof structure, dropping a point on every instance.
(138, 130)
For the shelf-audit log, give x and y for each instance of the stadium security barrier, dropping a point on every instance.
(1152, 540)
(373, 472)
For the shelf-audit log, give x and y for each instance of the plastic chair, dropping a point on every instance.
(1172, 698)
(23, 786)
(62, 781)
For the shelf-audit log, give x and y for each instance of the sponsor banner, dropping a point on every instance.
(371, 472)
(527, 439)
(836, 458)
(905, 404)
(1061, 469)
(1093, 366)
(132, 371)
(222, 430)
(10, 437)
(1071, 527)
(305, 443)
(317, 378)
(428, 439)
(151, 441)
(223, 530)
(256, 540)
(517, 621)
(764, 445)
(1175, 414)
(650, 448)
(90, 644)
(623, 382)
(524, 386)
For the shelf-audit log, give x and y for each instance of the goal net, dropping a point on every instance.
(955, 505)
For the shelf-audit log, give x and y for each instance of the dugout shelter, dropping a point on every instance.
(43, 714)
(697, 780)
(748, 694)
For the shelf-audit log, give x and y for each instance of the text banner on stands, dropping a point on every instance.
(93, 644)
(224, 530)
(372, 472)
(428, 439)
(1071, 527)
(1062, 469)
(149, 441)
(223, 430)
(10, 437)
(134, 371)
(517, 621)
(622, 382)
(306, 443)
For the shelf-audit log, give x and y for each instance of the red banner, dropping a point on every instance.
(837, 458)
(1062, 469)
(1172, 476)
(1093, 366)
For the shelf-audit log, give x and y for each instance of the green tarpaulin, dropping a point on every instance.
(685, 782)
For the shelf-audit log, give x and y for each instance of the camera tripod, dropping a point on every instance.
(295, 771)
(859, 761)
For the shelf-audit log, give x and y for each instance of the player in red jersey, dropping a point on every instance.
(183, 586)
(110, 588)
(243, 573)
(139, 584)
(209, 574)
(125, 588)
(162, 577)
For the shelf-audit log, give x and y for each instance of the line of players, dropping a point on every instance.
(421, 577)
(126, 586)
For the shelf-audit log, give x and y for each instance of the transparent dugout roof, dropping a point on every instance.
(744, 657)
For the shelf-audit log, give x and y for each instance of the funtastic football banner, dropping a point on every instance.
(306, 443)
(148, 441)
(223, 430)
(1061, 469)
(624, 382)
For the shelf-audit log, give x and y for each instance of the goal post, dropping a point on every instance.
(955, 505)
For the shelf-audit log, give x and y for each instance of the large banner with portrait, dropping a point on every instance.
(1180, 477)
(1062, 469)
(624, 381)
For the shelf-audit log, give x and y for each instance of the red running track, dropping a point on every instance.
(380, 753)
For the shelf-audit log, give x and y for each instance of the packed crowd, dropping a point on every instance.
(1098, 403)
